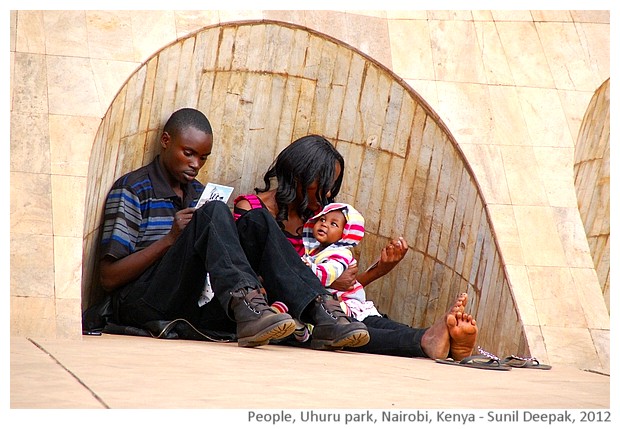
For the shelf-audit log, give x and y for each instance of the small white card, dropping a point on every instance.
(213, 191)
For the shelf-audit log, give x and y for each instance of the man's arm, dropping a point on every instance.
(114, 273)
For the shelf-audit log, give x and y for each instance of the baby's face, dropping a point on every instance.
(328, 228)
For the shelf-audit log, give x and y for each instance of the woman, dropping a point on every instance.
(305, 177)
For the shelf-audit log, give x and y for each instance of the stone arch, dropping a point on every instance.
(592, 181)
(265, 83)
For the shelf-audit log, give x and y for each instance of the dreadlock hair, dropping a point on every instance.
(185, 118)
(306, 160)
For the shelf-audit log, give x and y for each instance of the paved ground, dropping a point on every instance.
(121, 372)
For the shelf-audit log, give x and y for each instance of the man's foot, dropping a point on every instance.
(463, 332)
(257, 323)
(333, 330)
(436, 341)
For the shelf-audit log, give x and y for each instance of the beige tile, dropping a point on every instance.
(595, 41)
(546, 121)
(33, 316)
(333, 23)
(488, 167)
(29, 84)
(13, 29)
(29, 137)
(32, 265)
(525, 55)
(65, 33)
(567, 59)
(411, 60)
(69, 318)
(40, 382)
(523, 176)
(556, 297)
(555, 169)
(524, 301)
(536, 343)
(30, 34)
(70, 156)
(11, 78)
(110, 34)
(508, 126)
(152, 30)
(492, 54)
(539, 236)
(450, 15)
(68, 267)
(427, 90)
(552, 15)
(84, 100)
(505, 227)
(239, 15)
(456, 53)
(371, 13)
(602, 344)
(591, 16)
(574, 105)
(68, 196)
(31, 203)
(465, 110)
(590, 298)
(293, 16)
(370, 35)
(406, 14)
(573, 237)
(482, 15)
(572, 346)
(512, 15)
(189, 21)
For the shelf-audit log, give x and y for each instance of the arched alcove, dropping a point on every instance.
(265, 83)
(592, 181)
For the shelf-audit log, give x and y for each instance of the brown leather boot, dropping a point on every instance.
(257, 323)
(333, 329)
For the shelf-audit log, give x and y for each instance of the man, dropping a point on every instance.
(157, 249)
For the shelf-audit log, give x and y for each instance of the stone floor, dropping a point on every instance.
(137, 373)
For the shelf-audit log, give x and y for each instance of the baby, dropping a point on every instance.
(328, 238)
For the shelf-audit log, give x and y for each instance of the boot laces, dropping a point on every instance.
(332, 307)
(255, 300)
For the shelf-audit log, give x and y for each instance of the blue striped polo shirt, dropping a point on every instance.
(140, 209)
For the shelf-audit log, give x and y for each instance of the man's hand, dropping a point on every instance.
(181, 219)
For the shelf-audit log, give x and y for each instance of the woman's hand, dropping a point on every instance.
(347, 279)
(391, 255)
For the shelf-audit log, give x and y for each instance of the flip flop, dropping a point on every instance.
(521, 362)
(477, 361)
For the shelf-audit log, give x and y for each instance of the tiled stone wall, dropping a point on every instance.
(263, 85)
(592, 182)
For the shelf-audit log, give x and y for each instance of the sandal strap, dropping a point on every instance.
(487, 354)
(528, 359)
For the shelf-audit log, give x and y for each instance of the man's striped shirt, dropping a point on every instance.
(140, 209)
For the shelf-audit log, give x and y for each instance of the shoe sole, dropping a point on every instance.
(356, 338)
(280, 330)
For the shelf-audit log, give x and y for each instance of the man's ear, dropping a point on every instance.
(165, 140)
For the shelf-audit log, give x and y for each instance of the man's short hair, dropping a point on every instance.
(185, 118)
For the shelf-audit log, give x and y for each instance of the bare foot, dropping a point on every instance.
(463, 332)
(436, 341)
